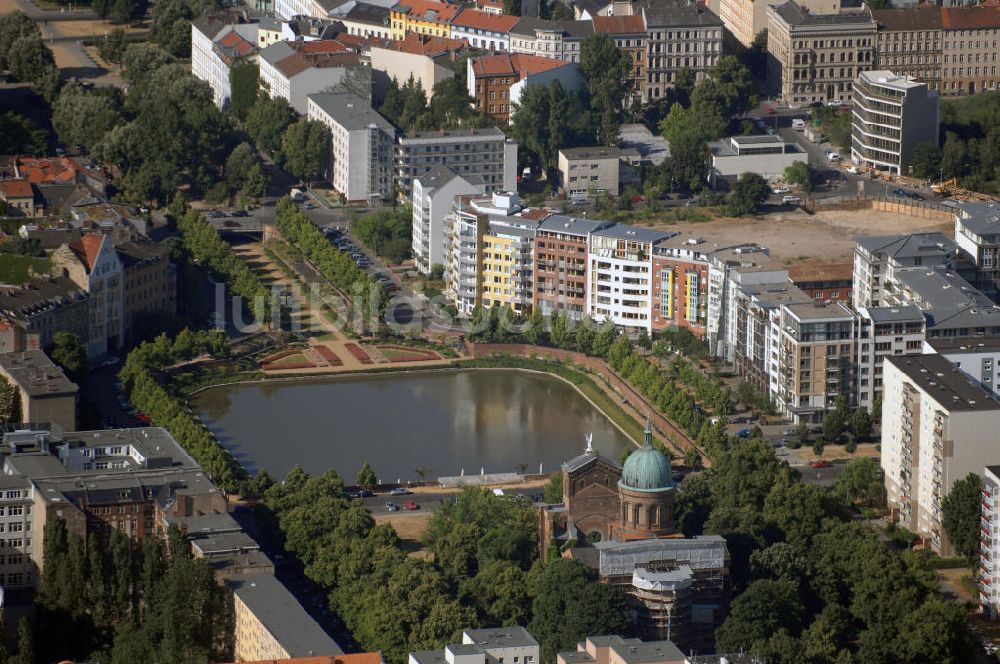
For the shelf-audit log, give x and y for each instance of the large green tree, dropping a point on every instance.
(244, 81)
(749, 192)
(960, 515)
(267, 121)
(305, 146)
(70, 354)
(605, 70)
(800, 175)
(82, 117)
(763, 609)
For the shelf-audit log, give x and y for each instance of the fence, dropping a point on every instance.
(919, 209)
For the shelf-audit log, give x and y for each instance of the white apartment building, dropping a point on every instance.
(938, 425)
(433, 199)
(885, 332)
(491, 645)
(16, 499)
(989, 543)
(979, 357)
(877, 257)
(215, 47)
(892, 115)
(560, 40)
(361, 143)
(977, 233)
(720, 263)
(296, 69)
(288, 9)
(620, 276)
(486, 153)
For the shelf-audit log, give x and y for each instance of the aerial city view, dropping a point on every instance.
(499, 331)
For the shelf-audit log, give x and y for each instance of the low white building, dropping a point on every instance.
(433, 199)
(620, 275)
(491, 645)
(938, 425)
(361, 144)
(768, 156)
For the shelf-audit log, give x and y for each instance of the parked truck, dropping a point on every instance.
(297, 195)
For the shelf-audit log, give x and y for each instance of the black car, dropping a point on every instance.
(241, 213)
(362, 493)
(216, 214)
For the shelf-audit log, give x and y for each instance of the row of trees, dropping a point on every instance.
(483, 571)
(140, 376)
(407, 108)
(124, 602)
(333, 264)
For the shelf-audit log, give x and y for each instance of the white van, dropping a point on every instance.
(832, 157)
(526, 173)
(798, 124)
(297, 195)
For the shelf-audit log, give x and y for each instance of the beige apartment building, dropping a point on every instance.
(745, 19)
(597, 170)
(679, 37)
(815, 359)
(909, 43)
(815, 58)
(45, 393)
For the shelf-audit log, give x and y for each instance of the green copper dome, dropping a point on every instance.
(646, 469)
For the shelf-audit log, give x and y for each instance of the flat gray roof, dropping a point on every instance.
(793, 14)
(350, 111)
(813, 311)
(501, 637)
(945, 383)
(278, 610)
(428, 657)
(598, 151)
(678, 15)
(453, 135)
(634, 233)
(650, 146)
(907, 313)
(645, 652)
(36, 374)
(964, 345)
(560, 223)
(442, 175)
(908, 246)
(948, 300)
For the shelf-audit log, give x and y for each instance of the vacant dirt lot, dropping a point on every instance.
(795, 238)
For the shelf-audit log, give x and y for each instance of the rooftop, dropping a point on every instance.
(473, 18)
(904, 314)
(518, 64)
(350, 111)
(961, 346)
(354, 658)
(819, 273)
(966, 18)
(500, 637)
(646, 652)
(281, 614)
(36, 374)
(886, 78)
(796, 15)
(902, 247)
(677, 15)
(16, 189)
(981, 219)
(919, 17)
(427, 45)
(948, 385)
(487, 134)
(598, 152)
(653, 147)
(634, 233)
(39, 297)
(45, 170)
(620, 25)
(818, 311)
(621, 558)
(948, 300)
(363, 12)
(560, 223)
(428, 10)
(528, 26)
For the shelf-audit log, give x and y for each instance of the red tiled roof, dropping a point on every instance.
(473, 18)
(426, 44)
(536, 214)
(45, 170)
(620, 25)
(965, 18)
(16, 189)
(428, 10)
(296, 63)
(533, 64)
(519, 64)
(321, 46)
(87, 248)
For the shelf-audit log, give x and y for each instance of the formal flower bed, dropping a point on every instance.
(358, 352)
(403, 354)
(331, 358)
(289, 360)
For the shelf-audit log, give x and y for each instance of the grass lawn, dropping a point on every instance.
(329, 336)
(297, 358)
(415, 355)
(16, 269)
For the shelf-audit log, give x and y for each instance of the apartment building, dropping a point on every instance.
(44, 308)
(93, 264)
(628, 32)
(816, 359)
(815, 58)
(560, 272)
(989, 544)
(434, 195)
(560, 40)
(617, 650)
(884, 332)
(367, 20)
(484, 30)
(270, 624)
(970, 36)
(485, 646)
(361, 145)
(952, 306)
(295, 70)
(486, 153)
(977, 233)
(586, 171)
(620, 280)
(678, 37)
(936, 429)
(44, 391)
(427, 60)
(680, 284)
(910, 43)
(892, 115)
(824, 282)
(506, 264)
(745, 19)
(18, 197)
(722, 264)
(150, 281)
(17, 569)
(424, 17)
(979, 358)
(877, 257)
(216, 47)
(496, 82)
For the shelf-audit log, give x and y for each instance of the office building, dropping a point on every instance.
(815, 58)
(361, 145)
(270, 624)
(44, 392)
(679, 37)
(877, 257)
(586, 171)
(768, 156)
(892, 115)
(620, 287)
(937, 428)
(561, 265)
(433, 198)
(486, 153)
(884, 332)
(485, 646)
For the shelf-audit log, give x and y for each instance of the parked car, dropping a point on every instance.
(400, 491)
(410, 505)
(391, 507)
(691, 202)
(769, 110)
(790, 432)
(240, 213)
(820, 463)
(899, 193)
(309, 206)
(742, 433)
(216, 214)
(791, 200)
(798, 124)
(780, 190)
(362, 493)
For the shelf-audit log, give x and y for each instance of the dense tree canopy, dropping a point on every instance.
(267, 121)
(606, 70)
(70, 354)
(19, 135)
(750, 191)
(305, 147)
(84, 118)
(389, 233)
(960, 515)
(544, 123)
(244, 82)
